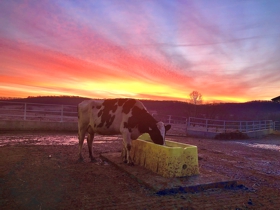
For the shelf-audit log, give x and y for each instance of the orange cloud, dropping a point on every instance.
(125, 75)
(133, 50)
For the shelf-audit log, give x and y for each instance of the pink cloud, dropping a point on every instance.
(180, 45)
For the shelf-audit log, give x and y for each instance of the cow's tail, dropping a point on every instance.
(78, 122)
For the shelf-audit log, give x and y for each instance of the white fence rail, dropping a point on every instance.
(228, 126)
(37, 112)
(66, 113)
(53, 112)
(276, 125)
(170, 119)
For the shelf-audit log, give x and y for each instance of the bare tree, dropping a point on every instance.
(195, 97)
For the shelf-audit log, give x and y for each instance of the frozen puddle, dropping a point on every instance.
(262, 146)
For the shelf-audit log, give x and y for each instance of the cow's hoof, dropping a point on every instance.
(124, 161)
(93, 160)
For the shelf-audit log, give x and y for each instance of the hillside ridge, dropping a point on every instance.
(254, 110)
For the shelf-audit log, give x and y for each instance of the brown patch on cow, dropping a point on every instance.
(146, 123)
(121, 101)
(125, 125)
(100, 125)
(114, 109)
(106, 118)
(98, 107)
(109, 103)
(142, 119)
(92, 107)
(106, 121)
(128, 105)
(100, 113)
(109, 121)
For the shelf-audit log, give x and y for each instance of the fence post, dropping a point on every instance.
(61, 117)
(24, 115)
(169, 118)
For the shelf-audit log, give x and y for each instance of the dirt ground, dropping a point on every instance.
(41, 171)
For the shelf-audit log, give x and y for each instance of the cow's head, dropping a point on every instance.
(158, 131)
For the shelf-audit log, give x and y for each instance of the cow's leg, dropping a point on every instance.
(127, 146)
(89, 143)
(123, 155)
(81, 136)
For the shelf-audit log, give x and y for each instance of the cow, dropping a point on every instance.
(128, 117)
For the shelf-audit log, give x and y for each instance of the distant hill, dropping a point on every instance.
(60, 100)
(255, 110)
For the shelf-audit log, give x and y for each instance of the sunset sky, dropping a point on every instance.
(148, 49)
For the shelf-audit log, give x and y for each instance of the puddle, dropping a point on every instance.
(262, 146)
(51, 139)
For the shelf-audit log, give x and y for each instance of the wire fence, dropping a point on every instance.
(53, 112)
(37, 112)
(219, 126)
(171, 119)
(276, 126)
(67, 113)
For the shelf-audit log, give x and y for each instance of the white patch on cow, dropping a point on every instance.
(161, 128)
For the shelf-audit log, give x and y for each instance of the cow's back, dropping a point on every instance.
(110, 117)
(106, 116)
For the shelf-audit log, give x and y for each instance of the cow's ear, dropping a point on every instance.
(167, 128)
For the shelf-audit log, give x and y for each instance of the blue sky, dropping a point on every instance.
(226, 50)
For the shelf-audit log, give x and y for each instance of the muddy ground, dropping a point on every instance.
(41, 171)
